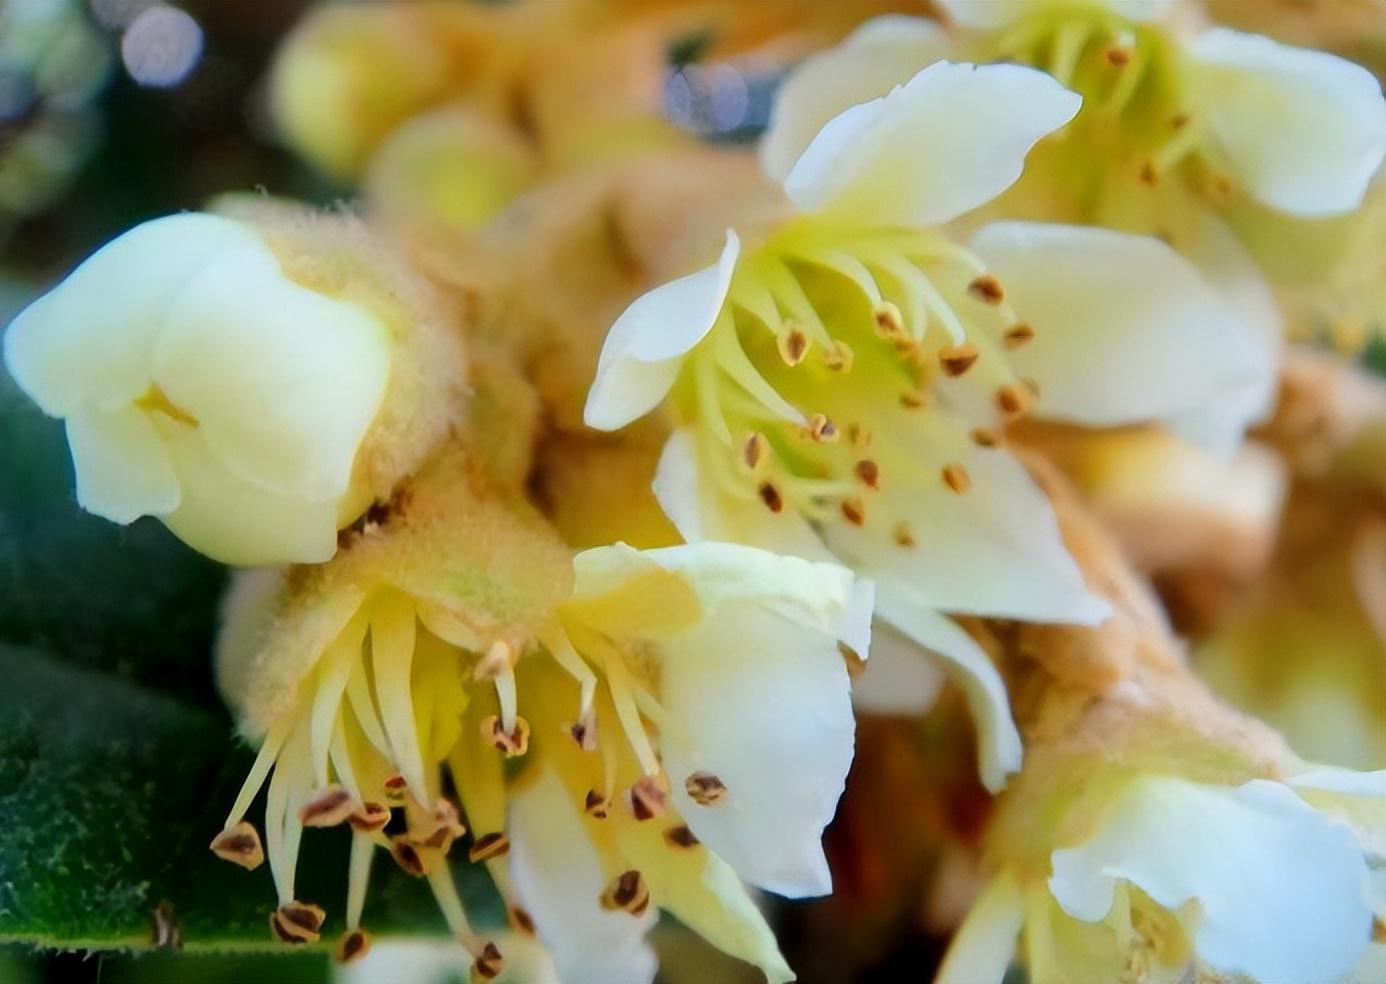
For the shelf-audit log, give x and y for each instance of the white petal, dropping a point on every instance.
(644, 348)
(1305, 130)
(983, 946)
(558, 879)
(953, 137)
(90, 340)
(230, 520)
(283, 381)
(434, 961)
(994, 550)
(1281, 887)
(999, 750)
(764, 704)
(878, 56)
(986, 14)
(900, 677)
(1126, 329)
(123, 468)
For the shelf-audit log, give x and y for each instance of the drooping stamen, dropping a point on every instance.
(492, 845)
(620, 686)
(987, 288)
(647, 798)
(353, 945)
(393, 636)
(556, 641)
(358, 878)
(297, 922)
(329, 807)
(445, 893)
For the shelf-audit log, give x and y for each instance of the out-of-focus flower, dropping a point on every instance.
(1185, 134)
(1306, 652)
(839, 387)
(456, 633)
(1153, 833)
(426, 961)
(254, 381)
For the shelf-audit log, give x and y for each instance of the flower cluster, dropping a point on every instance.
(589, 483)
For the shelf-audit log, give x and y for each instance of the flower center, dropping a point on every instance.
(155, 400)
(848, 360)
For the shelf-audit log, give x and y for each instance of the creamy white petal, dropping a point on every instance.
(642, 353)
(999, 750)
(1002, 13)
(230, 520)
(953, 137)
(1304, 130)
(283, 381)
(1281, 887)
(1255, 318)
(879, 55)
(1126, 329)
(993, 550)
(984, 944)
(900, 678)
(764, 704)
(123, 469)
(90, 340)
(558, 879)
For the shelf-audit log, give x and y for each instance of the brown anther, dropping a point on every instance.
(395, 788)
(854, 511)
(446, 827)
(595, 805)
(957, 359)
(955, 476)
(628, 892)
(793, 346)
(409, 855)
(680, 837)
(332, 805)
(584, 732)
(1180, 120)
(240, 845)
(705, 789)
(647, 798)
(297, 922)
(488, 846)
(771, 497)
(1147, 173)
(868, 473)
(890, 323)
(488, 964)
(1379, 930)
(165, 933)
(856, 666)
(985, 437)
(1222, 185)
(1015, 399)
(987, 288)
(902, 534)
(839, 356)
(1017, 335)
(820, 428)
(499, 657)
(520, 920)
(1118, 57)
(369, 818)
(354, 944)
(911, 400)
(755, 451)
(513, 743)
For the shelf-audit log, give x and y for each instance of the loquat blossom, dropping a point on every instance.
(625, 730)
(839, 386)
(1155, 835)
(1225, 145)
(256, 380)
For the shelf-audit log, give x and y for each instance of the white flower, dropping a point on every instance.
(1261, 880)
(838, 389)
(201, 385)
